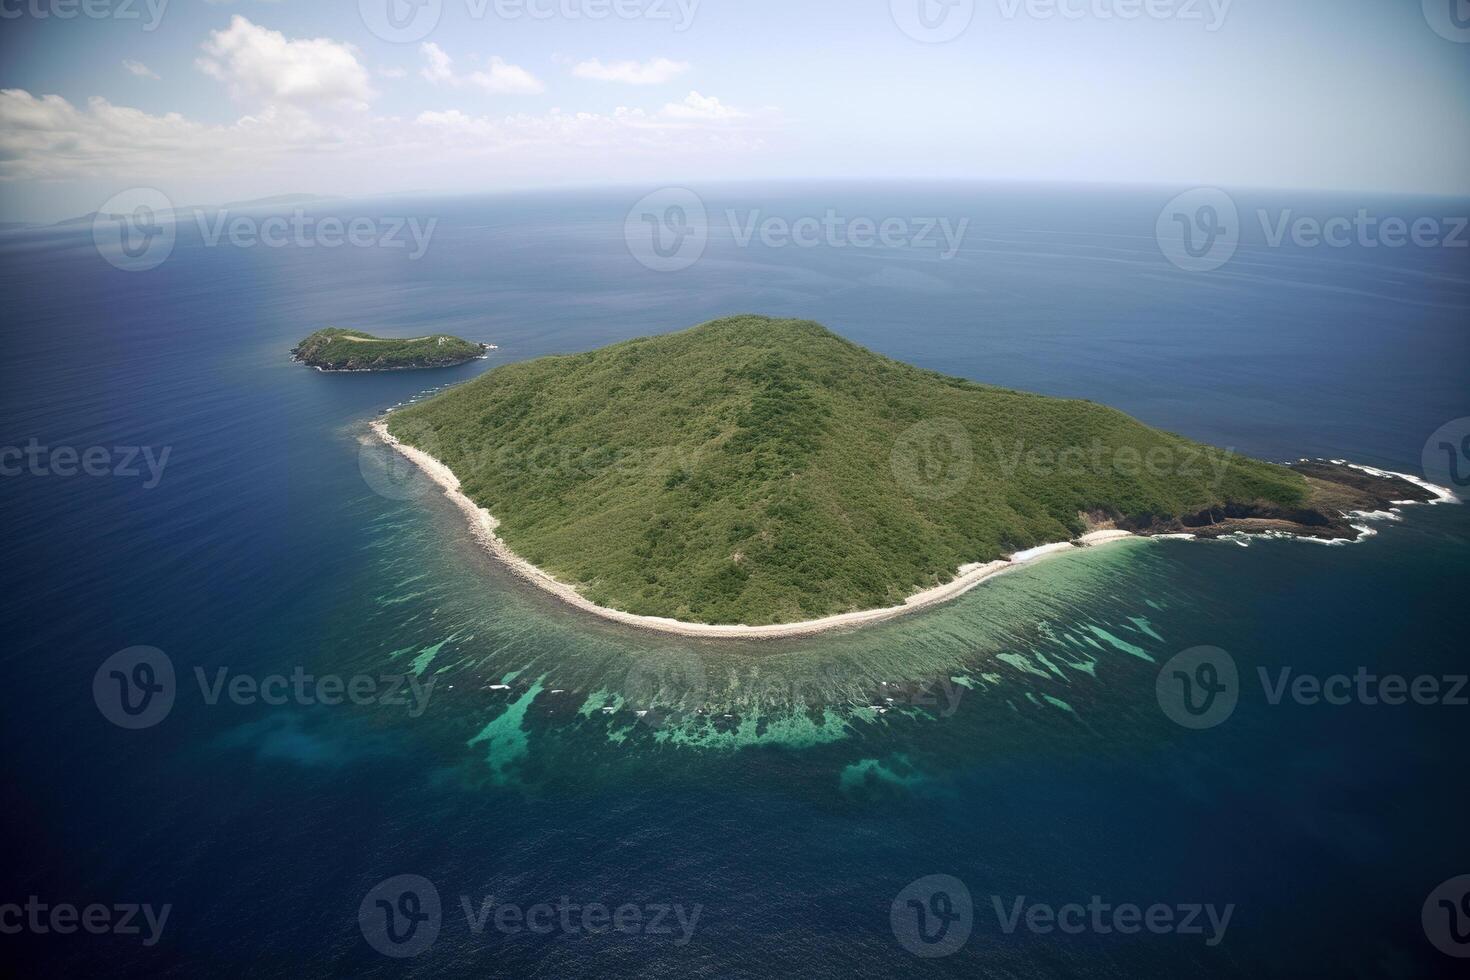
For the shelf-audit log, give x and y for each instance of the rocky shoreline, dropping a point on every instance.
(484, 356)
(333, 350)
(1342, 494)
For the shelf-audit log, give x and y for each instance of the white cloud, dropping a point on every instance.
(498, 77)
(140, 69)
(440, 67)
(285, 148)
(393, 72)
(623, 129)
(49, 138)
(262, 66)
(696, 106)
(507, 79)
(653, 72)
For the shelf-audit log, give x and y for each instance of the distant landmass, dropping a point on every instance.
(279, 200)
(763, 471)
(335, 349)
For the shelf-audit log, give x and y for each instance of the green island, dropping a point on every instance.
(766, 471)
(336, 349)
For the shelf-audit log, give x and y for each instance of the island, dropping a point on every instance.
(335, 349)
(766, 477)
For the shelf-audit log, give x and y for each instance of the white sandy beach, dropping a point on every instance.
(483, 525)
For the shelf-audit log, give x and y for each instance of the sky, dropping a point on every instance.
(224, 100)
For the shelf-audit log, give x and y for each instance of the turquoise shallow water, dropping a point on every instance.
(1012, 739)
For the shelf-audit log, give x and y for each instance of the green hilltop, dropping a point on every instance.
(755, 470)
(336, 349)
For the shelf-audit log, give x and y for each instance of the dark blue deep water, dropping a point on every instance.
(772, 787)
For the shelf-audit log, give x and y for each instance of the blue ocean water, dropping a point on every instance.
(791, 791)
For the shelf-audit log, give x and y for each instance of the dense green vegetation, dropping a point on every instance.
(335, 349)
(753, 470)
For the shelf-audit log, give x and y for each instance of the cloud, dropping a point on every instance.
(696, 106)
(262, 66)
(440, 67)
(507, 79)
(653, 72)
(498, 77)
(673, 129)
(49, 138)
(282, 148)
(140, 69)
(393, 72)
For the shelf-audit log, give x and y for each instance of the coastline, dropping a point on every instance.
(483, 525)
(484, 355)
(397, 367)
(1442, 495)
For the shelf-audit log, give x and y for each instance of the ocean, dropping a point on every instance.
(576, 798)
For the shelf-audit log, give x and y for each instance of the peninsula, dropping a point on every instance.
(758, 477)
(335, 349)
